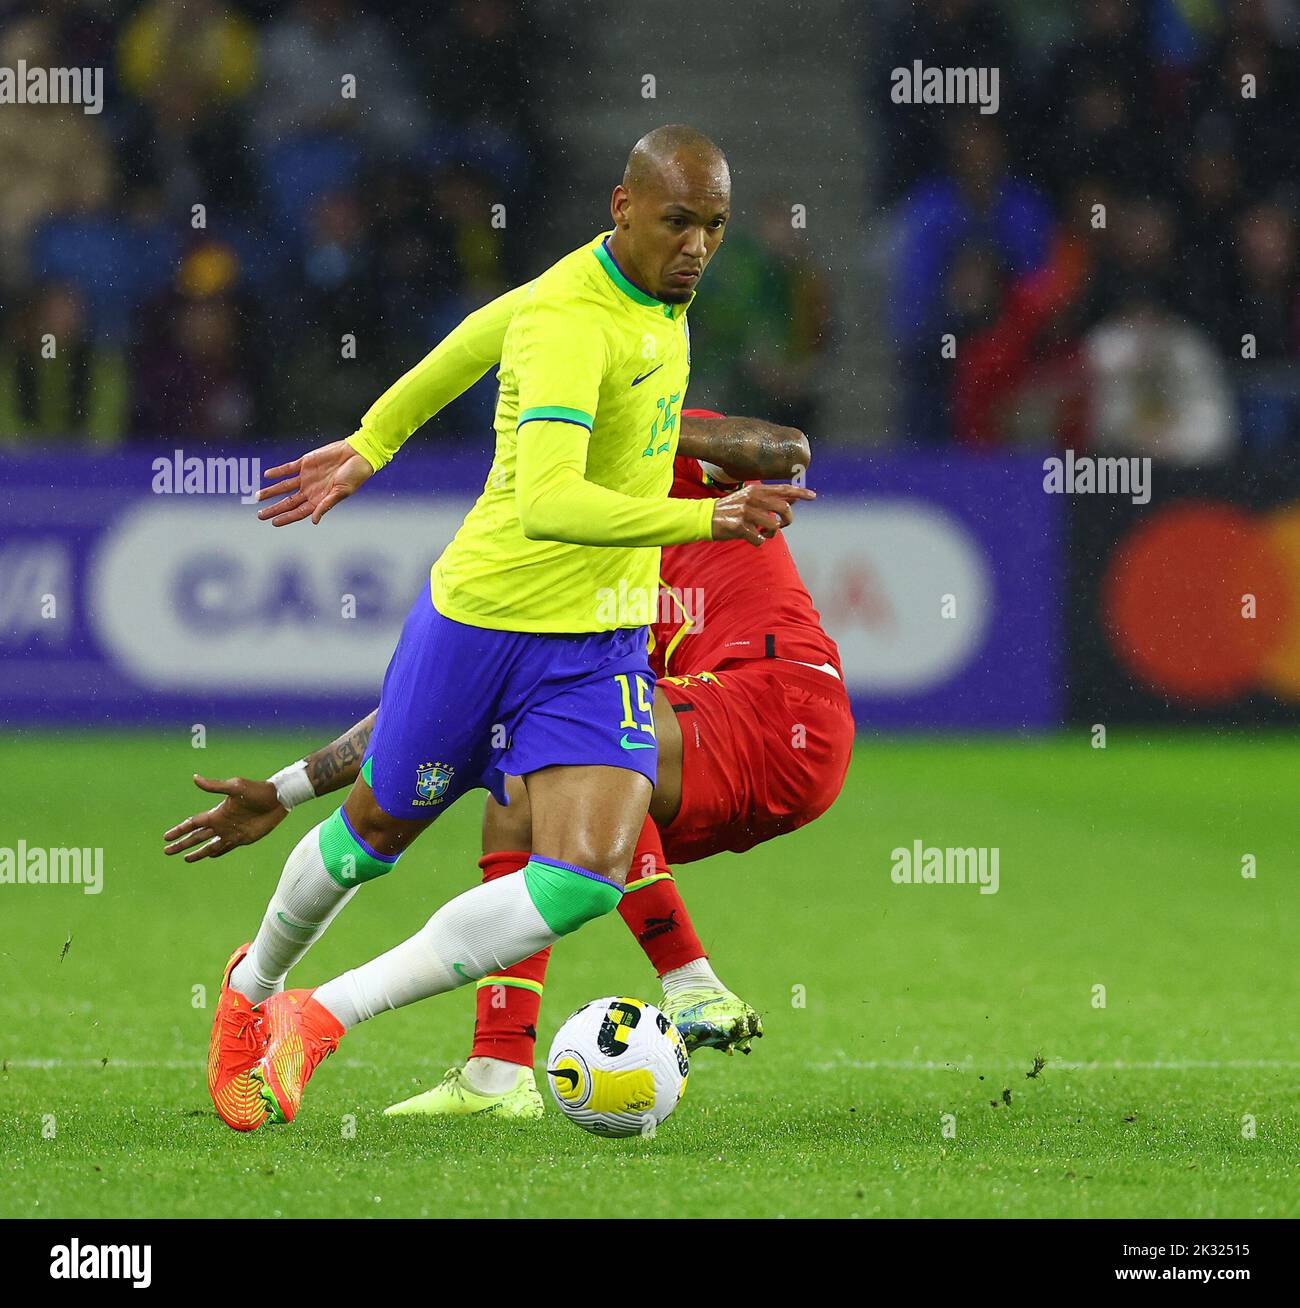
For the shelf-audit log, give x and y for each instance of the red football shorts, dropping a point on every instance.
(765, 748)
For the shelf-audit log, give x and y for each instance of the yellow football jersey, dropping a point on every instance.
(592, 368)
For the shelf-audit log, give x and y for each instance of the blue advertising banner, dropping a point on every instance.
(140, 589)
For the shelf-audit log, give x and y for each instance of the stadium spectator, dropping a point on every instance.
(465, 199)
(374, 215)
(762, 330)
(1095, 111)
(333, 318)
(1156, 386)
(85, 31)
(200, 49)
(1250, 80)
(416, 264)
(1261, 333)
(1106, 131)
(333, 283)
(1209, 200)
(1136, 247)
(57, 381)
(976, 201)
(942, 34)
(189, 66)
(313, 57)
(51, 161)
(199, 368)
(1267, 299)
(481, 58)
(1008, 341)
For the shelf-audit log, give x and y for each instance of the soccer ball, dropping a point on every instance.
(617, 1067)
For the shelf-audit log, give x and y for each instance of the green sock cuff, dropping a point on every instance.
(567, 896)
(345, 857)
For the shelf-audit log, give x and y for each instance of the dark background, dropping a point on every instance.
(373, 217)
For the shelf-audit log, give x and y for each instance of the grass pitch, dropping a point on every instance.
(903, 1021)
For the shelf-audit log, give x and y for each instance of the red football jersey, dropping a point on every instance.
(724, 601)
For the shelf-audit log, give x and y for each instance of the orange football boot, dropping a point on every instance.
(300, 1034)
(238, 1040)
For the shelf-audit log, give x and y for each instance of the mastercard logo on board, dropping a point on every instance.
(1201, 601)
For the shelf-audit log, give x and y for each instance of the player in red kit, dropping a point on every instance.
(756, 690)
(755, 734)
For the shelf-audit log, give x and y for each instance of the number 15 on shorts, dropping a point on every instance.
(644, 707)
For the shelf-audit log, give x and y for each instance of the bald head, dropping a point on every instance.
(670, 210)
(672, 150)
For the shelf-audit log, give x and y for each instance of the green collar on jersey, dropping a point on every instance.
(632, 291)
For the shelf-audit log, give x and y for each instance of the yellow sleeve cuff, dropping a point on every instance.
(369, 449)
(704, 524)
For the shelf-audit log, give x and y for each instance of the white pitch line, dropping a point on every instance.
(136, 1064)
(844, 1065)
(1060, 1065)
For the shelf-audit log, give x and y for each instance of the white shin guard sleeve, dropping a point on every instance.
(306, 901)
(484, 930)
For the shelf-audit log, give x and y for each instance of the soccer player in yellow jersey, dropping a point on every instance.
(528, 654)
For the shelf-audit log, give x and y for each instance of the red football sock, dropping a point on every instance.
(505, 1023)
(654, 911)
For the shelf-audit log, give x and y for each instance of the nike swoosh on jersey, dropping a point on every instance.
(636, 381)
(634, 744)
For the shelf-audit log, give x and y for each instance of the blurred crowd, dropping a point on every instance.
(281, 206)
(1113, 254)
(286, 202)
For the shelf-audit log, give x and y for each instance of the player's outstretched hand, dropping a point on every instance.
(249, 811)
(756, 512)
(313, 484)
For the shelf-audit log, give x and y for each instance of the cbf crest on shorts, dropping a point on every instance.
(431, 782)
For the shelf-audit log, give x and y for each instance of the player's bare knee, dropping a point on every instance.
(376, 830)
(609, 861)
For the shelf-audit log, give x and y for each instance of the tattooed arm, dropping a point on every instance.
(253, 809)
(745, 448)
(338, 763)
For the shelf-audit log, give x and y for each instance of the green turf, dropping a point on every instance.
(887, 1006)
